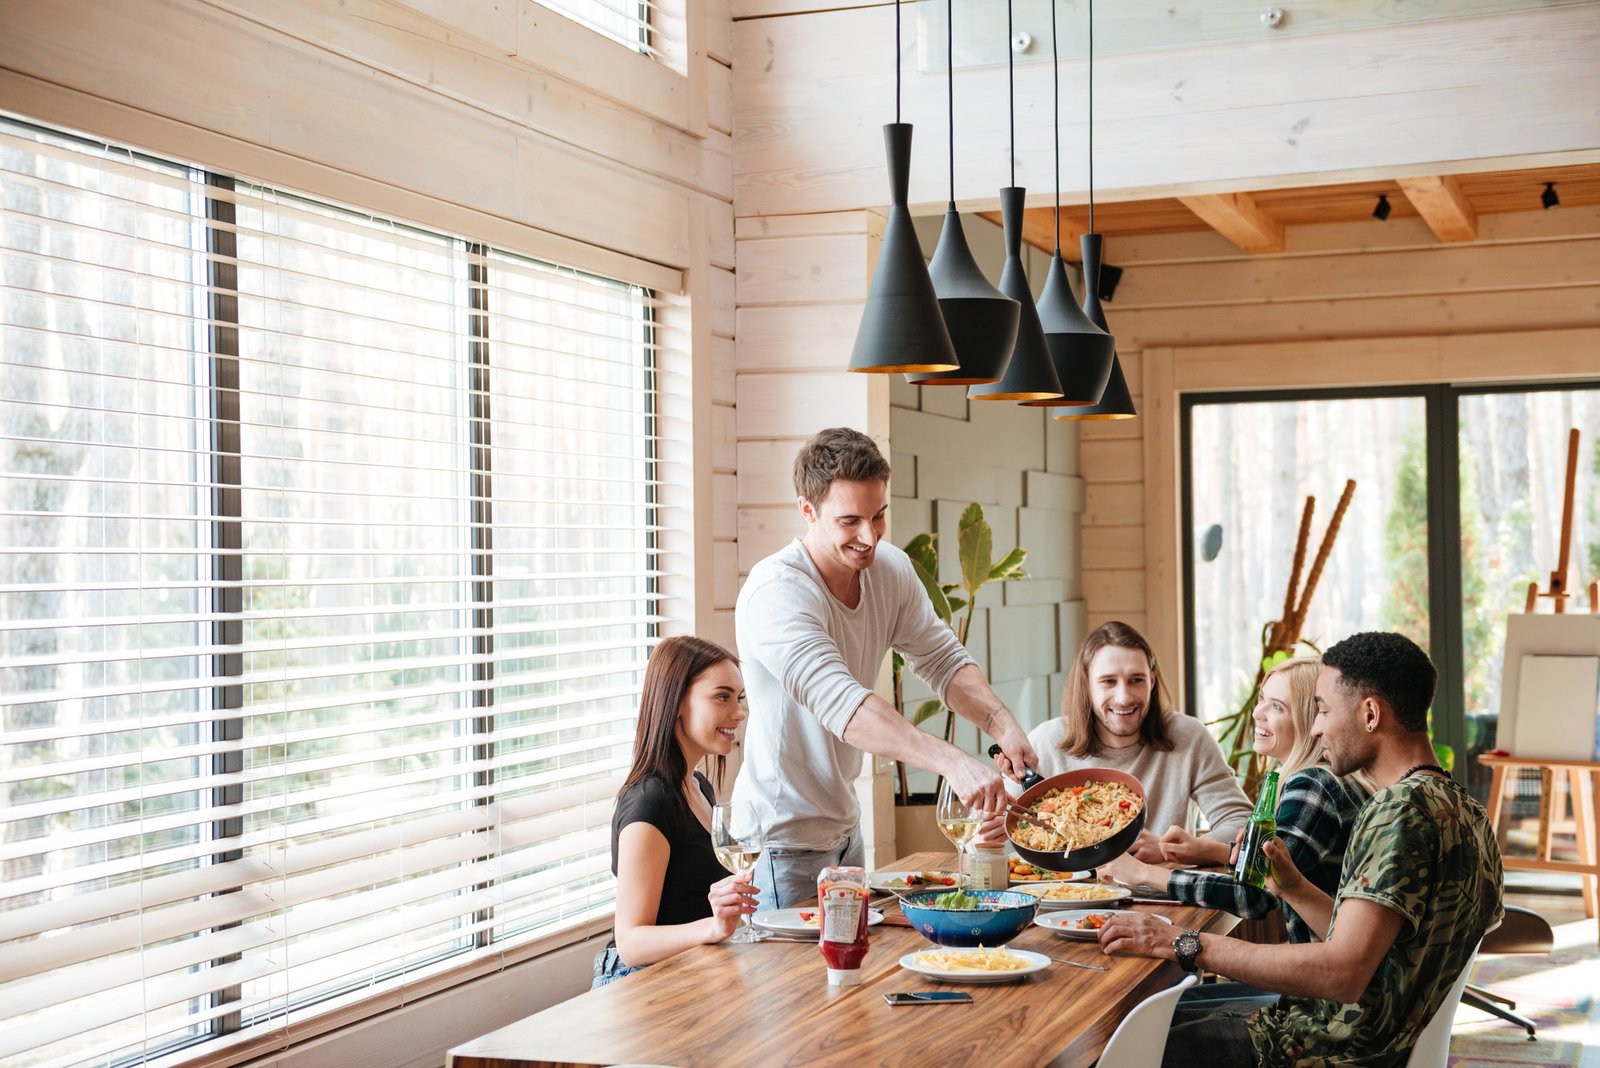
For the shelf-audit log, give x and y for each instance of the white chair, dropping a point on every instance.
(1141, 1037)
(1432, 1049)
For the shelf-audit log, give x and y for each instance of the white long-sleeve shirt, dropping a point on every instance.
(808, 663)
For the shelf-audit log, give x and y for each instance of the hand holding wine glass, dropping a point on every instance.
(737, 840)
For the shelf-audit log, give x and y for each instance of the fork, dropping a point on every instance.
(1079, 964)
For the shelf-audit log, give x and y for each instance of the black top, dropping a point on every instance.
(691, 865)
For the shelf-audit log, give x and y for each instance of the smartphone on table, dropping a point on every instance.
(929, 997)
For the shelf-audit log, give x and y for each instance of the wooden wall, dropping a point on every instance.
(1355, 304)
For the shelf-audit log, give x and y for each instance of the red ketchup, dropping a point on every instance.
(842, 897)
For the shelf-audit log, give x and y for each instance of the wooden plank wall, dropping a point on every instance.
(1352, 304)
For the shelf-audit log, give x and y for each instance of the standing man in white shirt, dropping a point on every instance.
(814, 621)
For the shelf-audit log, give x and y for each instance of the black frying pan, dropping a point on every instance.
(1036, 786)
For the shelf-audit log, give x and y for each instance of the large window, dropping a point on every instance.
(327, 577)
(1457, 509)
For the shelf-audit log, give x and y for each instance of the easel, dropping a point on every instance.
(1558, 578)
(1577, 782)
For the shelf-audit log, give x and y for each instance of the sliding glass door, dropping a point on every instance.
(1457, 508)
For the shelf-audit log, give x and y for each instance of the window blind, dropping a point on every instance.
(327, 578)
(629, 22)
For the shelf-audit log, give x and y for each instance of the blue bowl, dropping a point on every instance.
(1006, 915)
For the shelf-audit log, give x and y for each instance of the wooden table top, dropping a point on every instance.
(770, 1003)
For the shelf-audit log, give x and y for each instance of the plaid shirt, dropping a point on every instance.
(1316, 811)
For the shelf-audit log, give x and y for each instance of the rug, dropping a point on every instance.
(1555, 990)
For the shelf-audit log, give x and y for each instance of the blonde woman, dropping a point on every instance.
(1316, 810)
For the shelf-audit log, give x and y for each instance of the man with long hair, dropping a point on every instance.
(1115, 714)
(814, 621)
(1421, 883)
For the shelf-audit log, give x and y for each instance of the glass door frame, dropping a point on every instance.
(1442, 426)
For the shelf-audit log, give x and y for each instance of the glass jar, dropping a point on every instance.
(984, 866)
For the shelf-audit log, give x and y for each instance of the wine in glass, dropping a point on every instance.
(957, 820)
(737, 841)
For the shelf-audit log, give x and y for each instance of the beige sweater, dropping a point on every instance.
(1193, 770)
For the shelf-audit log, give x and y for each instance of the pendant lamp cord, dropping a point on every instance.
(950, 87)
(1091, 116)
(1055, 99)
(897, 61)
(1011, 91)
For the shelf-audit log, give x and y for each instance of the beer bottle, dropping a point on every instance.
(1251, 866)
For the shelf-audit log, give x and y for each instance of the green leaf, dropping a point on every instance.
(977, 549)
(926, 711)
(899, 662)
(924, 549)
(941, 603)
(1010, 567)
(956, 605)
(1446, 755)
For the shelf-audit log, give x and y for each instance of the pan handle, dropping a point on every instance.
(1029, 776)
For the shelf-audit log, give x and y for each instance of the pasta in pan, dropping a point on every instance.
(1078, 816)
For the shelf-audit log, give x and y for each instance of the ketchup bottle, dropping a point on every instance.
(842, 897)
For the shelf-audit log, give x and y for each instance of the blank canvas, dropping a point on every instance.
(1558, 699)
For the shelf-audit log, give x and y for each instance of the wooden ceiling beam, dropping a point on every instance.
(1237, 217)
(1443, 206)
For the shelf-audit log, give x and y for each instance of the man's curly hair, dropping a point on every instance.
(833, 455)
(1389, 666)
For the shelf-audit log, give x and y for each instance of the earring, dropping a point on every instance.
(1370, 727)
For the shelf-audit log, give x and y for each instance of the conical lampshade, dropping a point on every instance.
(1116, 402)
(982, 320)
(902, 328)
(1030, 374)
(1081, 350)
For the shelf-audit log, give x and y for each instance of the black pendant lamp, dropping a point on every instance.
(902, 328)
(1081, 351)
(982, 320)
(1116, 402)
(1030, 374)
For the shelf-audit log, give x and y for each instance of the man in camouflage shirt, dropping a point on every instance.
(1421, 884)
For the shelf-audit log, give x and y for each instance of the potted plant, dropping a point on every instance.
(975, 548)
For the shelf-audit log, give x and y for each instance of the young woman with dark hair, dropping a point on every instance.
(671, 892)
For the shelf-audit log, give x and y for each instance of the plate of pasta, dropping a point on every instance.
(1065, 895)
(1078, 819)
(979, 965)
(1082, 925)
(801, 921)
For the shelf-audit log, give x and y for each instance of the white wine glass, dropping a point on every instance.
(737, 840)
(958, 820)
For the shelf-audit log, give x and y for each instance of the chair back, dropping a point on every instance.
(1432, 1049)
(1141, 1037)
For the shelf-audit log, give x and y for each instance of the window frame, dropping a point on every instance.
(1442, 434)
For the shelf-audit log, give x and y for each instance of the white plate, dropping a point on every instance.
(788, 921)
(1058, 877)
(1064, 923)
(1113, 894)
(1036, 962)
(880, 880)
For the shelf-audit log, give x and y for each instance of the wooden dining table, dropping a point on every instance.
(769, 1003)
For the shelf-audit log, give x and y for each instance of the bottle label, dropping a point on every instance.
(841, 914)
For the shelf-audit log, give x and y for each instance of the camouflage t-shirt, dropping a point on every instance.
(1422, 848)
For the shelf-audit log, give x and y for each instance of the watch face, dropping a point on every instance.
(1186, 946)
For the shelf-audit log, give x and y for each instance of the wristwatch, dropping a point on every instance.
(1187, 947)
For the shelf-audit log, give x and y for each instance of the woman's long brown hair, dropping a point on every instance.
(672, 669)
(1080, 738)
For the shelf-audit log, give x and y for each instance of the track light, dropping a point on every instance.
(1381, 212)
(1548, 198)
(1109, 277)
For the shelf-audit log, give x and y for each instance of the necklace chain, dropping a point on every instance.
(1423, 767)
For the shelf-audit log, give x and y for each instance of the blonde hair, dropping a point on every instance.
(1301, 674)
